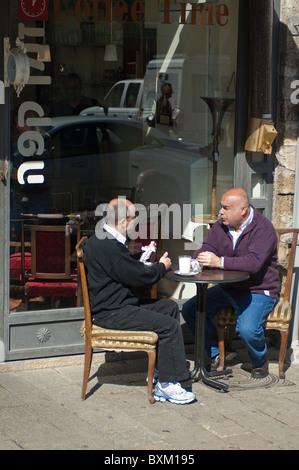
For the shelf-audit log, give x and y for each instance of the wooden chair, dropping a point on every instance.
(52, 274)
(279, 318)
(112, 340)
(20, 260)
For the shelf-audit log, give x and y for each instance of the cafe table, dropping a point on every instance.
(202, 280)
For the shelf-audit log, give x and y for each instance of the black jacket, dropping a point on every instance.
(113, 274)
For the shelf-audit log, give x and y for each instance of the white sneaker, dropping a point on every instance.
(174, 393)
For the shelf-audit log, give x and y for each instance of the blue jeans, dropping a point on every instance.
(251, 309)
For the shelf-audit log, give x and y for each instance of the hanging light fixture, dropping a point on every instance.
(110, 53)
(110, 49)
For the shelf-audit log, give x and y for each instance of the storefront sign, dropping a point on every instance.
(202, 14)
(34, 138)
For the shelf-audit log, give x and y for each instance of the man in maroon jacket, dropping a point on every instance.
(243, 240)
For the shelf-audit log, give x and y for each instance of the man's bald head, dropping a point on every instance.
(234, 207)
(119, 209)
(237, 194)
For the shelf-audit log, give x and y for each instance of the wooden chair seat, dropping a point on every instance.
(102, 338)
(279, 318)
(112, 340)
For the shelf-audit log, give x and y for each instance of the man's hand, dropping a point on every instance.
(165, 260)
(206, 258)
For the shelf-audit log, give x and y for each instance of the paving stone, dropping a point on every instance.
(41, 408)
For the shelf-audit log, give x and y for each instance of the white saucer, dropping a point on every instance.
(191, 273)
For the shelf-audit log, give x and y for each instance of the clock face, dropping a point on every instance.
(33, 9)
(18, 68)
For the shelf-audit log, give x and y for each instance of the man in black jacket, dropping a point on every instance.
(113, 274)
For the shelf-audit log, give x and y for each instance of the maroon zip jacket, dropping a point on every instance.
(255, 252)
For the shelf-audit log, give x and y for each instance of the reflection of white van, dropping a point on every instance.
(123, 100)
(190, 79)
(136, 98)
(188, 82)
(158, 72)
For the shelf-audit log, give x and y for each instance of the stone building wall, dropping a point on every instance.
(287, 119)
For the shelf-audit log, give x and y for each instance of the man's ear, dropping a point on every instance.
(122, 224)
(244, 210)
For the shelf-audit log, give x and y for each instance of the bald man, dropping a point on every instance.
(113, 275)
(242, 239)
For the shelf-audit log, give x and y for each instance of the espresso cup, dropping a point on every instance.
(185, 264)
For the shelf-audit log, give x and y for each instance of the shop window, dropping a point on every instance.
(136, 126)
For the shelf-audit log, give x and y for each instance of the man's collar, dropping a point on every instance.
(248, 220)
(119, 237)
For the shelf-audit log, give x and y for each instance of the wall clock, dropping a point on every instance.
(16, 66)
(33, 9)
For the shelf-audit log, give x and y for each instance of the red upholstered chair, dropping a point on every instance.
(20, 261)
(16, 270)
(51, 273)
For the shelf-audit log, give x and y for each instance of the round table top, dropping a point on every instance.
(208, 276)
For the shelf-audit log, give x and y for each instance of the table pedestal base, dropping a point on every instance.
(202, 280)
(206, 377)
(200, 343)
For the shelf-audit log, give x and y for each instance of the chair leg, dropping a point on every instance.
(282, 352)
(151, 367)
(220, 336)
(87, 365)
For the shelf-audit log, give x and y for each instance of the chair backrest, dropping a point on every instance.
(285, 292)
(83, 279)
(51, 252)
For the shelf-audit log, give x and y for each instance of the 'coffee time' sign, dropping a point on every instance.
(120, 11)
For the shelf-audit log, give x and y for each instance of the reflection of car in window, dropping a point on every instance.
(89, 160)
